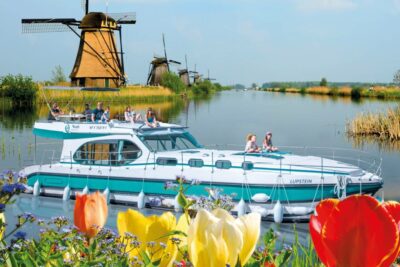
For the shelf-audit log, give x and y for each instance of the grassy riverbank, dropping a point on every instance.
(126, 94)
(381, 92)
(385, 126)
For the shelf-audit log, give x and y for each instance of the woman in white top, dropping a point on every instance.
(251, 145)
(131, 116)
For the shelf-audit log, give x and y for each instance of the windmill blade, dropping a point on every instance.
(174, 62)
(48, 25)
(186, 62)
(123, 18)
(85, 6)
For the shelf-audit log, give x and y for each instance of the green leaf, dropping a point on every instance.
(145, 258)
(182, 200)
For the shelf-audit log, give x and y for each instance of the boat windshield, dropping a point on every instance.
(168, 142)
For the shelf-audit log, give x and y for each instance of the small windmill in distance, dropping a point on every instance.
(98, 62)
(196, 76)
(184, 74)
(208, 76)
(159, 66)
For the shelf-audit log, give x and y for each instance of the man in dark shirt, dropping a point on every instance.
(87, 112)
(98, 112)
(54, 112)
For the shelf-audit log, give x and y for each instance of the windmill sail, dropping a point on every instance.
(48, 25)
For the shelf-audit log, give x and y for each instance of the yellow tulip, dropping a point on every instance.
(152, 229)
(217, 238)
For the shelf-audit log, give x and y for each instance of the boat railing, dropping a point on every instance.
(359, 158)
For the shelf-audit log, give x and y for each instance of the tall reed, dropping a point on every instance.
(382, 125)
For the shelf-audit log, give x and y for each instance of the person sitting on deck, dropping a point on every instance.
(131, 116)
(54, 112)
(106, 115)
(251, 145)
(87, 112)
(267, 143)
(151, 120)
(98, 112)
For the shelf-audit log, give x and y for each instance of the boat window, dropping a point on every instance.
(223, 164)
(107, 152)
(247, 165)
(168, 142)
(196, 163)
(167, 161)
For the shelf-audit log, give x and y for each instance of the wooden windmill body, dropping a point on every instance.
(159, 66)
(99, 62)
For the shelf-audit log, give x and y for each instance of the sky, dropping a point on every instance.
(238, 41)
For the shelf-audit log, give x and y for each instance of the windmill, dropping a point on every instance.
(98, 62)
(185, 74)
(196, 76)
(159, 66)
(208, 77)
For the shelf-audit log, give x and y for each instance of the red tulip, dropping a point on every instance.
(358, 231)
(90, 213)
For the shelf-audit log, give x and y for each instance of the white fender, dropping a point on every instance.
(141, 200)
(260, 198)
(278, 212)
(66, 193)
(36, 188)
(85, 190)
(106, 194)
(177, 207)
(241, 208)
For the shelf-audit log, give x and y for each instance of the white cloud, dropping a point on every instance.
(313, 5)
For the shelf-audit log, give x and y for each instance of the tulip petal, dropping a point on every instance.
(393, 208)
(316, 236)
(223, 214)
(135, 223)
(158, 232)
(96, 212)
(79, 212)
(360, 232)
(323, 211)
(197, 237)
(250, 227)
(218, 251)
(233, 237)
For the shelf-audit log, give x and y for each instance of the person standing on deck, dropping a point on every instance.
(98, 112)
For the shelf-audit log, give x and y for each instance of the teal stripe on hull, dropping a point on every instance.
(63, 135)
(302, 193)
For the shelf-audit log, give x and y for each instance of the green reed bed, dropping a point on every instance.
(383, 125)
(355, 92)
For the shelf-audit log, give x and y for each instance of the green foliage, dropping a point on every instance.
(58, 75)
(323, 82)
(303, 90)
(173, 82)
(334, 91)
(304, 255)
(396, 77)
(356, 92)
(20, 89)
(203, 88)
(282, 90)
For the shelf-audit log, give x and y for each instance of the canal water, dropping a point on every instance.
(302, 124)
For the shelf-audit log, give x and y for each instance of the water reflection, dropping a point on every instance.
(360, 142)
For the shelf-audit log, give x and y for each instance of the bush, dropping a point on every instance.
(203, 88)
(282, 90)
(323, 82)
(20, 89)
(356, 92)
(173, 82)
(334, 91)
(303, 90)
